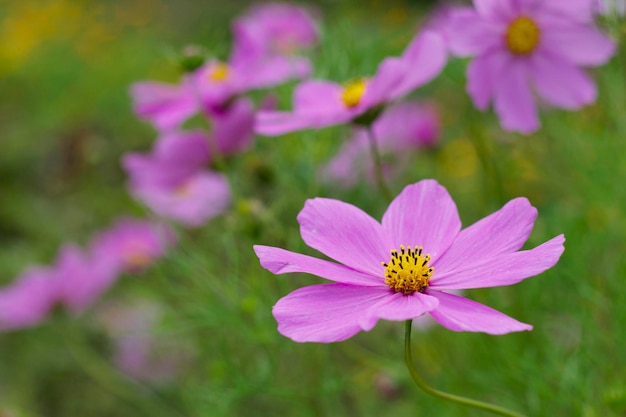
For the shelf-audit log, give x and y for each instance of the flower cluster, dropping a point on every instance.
(78, 277)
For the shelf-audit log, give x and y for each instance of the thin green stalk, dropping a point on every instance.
(450, 397)
(378, 165)
(112, 380)
(487, 160)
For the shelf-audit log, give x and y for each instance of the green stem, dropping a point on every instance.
(378, 165)
(450, 397)
(492, 174)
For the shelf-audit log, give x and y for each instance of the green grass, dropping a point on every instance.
(66, 121)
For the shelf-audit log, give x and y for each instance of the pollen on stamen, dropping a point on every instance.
(353, 91)
(407, 270)
(219, 72)
(522, 36)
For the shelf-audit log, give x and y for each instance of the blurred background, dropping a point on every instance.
(193, 335)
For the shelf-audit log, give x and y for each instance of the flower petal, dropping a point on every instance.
(504, 269)
(504, 231)
(276, 123)
(165, 105)
(470, 34)
(325, 313)
(398, 307)
(562, 84)
(425, 57)
(281, 261)
(424, 214)
(318, 96)
(460, 314)
(513, 100)
(483, 74)
(579, 44)
(345, 233)
(382, 86)
(496, 9)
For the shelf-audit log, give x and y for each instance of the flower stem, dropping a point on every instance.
(450, 397)
(378, 166)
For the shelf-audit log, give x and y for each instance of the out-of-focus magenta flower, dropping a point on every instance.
(132, 245)
(192, 202)
(171, 180)
(28, 300)
(323, 103)
(273, 29)
(521, 46)
(402, 268)
(233, 127)
(401, 128)
(165, 105)
(137, 351)
(82, 278)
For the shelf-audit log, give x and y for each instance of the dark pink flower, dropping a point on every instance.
(82, 278)
(323, 103)
(526, 46)
(402, 268)
(401, 128)
(273, 29)
(171, 180)
(28, 300)
(132, 245)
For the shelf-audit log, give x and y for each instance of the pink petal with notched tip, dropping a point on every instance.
(577, 44)
(345, 233)
(425, 215)
(425, 57)
(483, 76)
(281, 261)
(460, 314)
(502, 269)
(326, 313)
(469, 34)
(165, 105)
(561, 83)
(504, 231)
(513, 100)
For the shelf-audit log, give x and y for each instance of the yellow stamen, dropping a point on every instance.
(219, 72)
(407, 271)
(353, 91)
(522, 36)
(136, 259)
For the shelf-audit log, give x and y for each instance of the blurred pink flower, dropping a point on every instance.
(82, 278)
(323, 103)
(521, 46)
(273, 29)
(132, 245)
(137, 351)
(28, 300)
(171, 180)
(371, 283)
(401, 128)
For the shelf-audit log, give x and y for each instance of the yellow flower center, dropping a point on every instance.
(137, 259)
(522, 36)
(219, 72)
(407, 271)
(353, 91)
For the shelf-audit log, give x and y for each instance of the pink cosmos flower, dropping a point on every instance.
(273, 29)
(132, 245)
(172, 182)
(401, 128)
(323, 103)
(81, 278)
(526, 46)
(137, 350)
(402, 268)
(28, 300)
